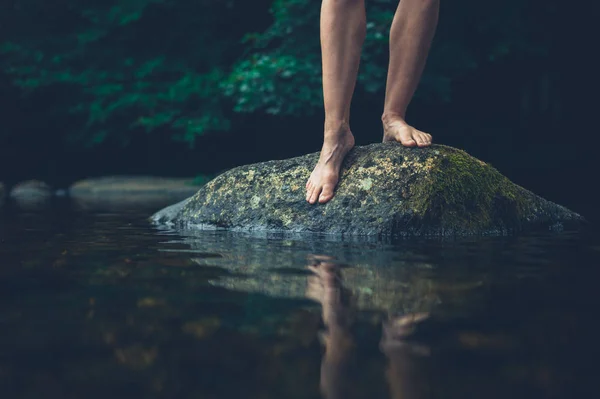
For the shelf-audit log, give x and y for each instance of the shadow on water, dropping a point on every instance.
(105, 305)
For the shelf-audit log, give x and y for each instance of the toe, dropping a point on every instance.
(314, 195)
(421, 139)
(407, 138)
(408, 142)
(326, 194)
(309, 193)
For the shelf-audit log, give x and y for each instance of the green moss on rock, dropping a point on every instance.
(469, 194)
(384, 189)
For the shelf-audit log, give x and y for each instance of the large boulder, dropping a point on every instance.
(130, 192)
(384, 189)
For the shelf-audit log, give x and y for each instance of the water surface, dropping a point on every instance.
(106, 305)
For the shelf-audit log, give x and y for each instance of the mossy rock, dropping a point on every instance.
(384, 189)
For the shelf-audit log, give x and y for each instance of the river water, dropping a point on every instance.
(108, 306)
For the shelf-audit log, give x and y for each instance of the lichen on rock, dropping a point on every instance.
(384, 189)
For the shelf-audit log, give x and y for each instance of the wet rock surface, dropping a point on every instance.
(384, 189)
(130, 192)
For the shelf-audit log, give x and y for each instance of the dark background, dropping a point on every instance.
(550, 149)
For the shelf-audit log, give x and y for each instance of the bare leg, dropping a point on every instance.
(411, 34)
(343, 29)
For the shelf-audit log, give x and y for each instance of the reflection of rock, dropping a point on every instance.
(403, 290)
(399, 278)
(385, 189)
(31, 194)
(130, 192)
(379, 279)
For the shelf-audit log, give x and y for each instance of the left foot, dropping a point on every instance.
(395, 128)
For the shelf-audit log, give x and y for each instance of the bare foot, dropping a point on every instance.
(323, 179)
(395, 128)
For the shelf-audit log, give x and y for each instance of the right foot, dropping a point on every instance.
(395, 128)
(323, 179)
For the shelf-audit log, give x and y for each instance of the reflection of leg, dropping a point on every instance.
(398, 329)
(405, 375)
(336, 365)
(325, 286)
(410, 38)
(405, 372)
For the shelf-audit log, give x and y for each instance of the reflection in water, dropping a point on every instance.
(106, 306)
(338, 368)
(469, 318)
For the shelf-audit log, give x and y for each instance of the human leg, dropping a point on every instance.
(411, 34)
(343, 29)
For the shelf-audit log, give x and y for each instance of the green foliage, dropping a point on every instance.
(282, 73)
(122, 75)
(181, 67)
(271, 83)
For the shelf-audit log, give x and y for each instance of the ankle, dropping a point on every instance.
(336, 125)
(389, 116)
(335, 138)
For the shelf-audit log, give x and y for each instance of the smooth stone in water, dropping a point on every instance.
(130, 192)
(384, 189)
(31, 194)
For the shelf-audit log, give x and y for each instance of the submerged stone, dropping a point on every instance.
(130, 192)
(31, 195)
(384, 189)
